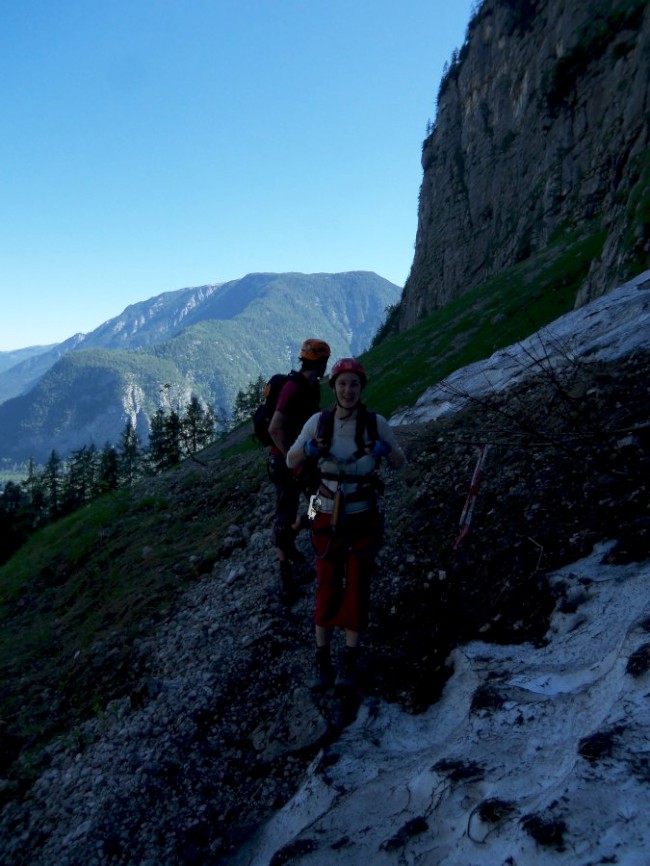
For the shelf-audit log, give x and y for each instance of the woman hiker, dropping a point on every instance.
(348, 443)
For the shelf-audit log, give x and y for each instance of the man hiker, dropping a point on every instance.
(298, 400)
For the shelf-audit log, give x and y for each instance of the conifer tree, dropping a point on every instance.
(108, 470)
(197, 426)
(79, 478)
(34, 488)
(52, 481)
(165, 440)
(14, 519)
(173, 438)
(157, 438)
(130, 457)
(247, 401)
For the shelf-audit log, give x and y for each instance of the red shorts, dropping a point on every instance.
(345, 562)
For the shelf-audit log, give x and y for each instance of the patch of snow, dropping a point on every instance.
(607, 328)
(460, 784)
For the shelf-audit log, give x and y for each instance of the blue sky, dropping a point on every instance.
(150, 145)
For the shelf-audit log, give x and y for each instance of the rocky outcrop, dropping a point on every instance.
(542, 129)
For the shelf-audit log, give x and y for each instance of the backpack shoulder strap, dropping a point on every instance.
(366, 422)
(366, 432)
(282, 379)
(275, 384)
(371, 426)
(297, 377)
(325, 428)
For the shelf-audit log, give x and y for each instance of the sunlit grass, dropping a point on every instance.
(496, 314)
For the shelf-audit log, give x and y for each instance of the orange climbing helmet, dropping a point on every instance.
(314, 350)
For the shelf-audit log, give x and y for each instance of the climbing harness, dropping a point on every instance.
(369, 489)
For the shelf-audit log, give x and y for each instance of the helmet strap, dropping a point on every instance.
(350, 413)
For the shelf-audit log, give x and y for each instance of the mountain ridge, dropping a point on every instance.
(210, 341)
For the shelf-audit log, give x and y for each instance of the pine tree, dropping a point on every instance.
(197, 426)
(52, 481)
(14, 519)
(246, 402)
(165, 440)
(79, 480)
(108, 470)
(157, 438)
(173, 441)
(130, 457)
(34, 488)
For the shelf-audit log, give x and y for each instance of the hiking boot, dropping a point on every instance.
(295, 555)
(292, 552)
(323, 672)
(304, 523)
(346, 678)
(288, 591)
(285, 540)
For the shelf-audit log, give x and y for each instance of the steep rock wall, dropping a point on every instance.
(542, 126)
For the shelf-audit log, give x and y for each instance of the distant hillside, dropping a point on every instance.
(211, 342)
(17, 356)
(151, 321)
(21, 376)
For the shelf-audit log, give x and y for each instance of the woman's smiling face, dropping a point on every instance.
(348, 389)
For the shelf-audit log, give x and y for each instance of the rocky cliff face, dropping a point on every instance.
(542, 130)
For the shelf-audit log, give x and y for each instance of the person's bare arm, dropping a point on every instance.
(277, 432)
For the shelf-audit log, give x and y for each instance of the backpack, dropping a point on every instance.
(264, 412)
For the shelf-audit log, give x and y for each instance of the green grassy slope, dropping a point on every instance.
(508, 308)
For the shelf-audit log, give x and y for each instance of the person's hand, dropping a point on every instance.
(379, 448)
(315, 448)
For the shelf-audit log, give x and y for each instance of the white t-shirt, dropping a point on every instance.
(341, 458)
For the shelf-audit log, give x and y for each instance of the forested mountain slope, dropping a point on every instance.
(210, 342)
